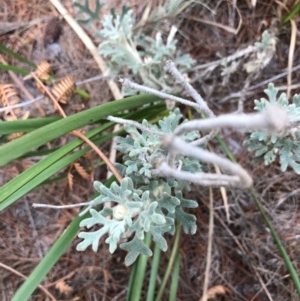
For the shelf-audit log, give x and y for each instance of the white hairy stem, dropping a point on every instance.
(238, 178)
(274, 118)
(140, 88)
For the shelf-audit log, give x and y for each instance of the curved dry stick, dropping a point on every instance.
(81, 136)
(42, 288)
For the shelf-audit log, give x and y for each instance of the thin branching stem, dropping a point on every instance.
(143, 89)
(203, 179)
(274, 118)
(205, 139)
(170, 67)
(239, 178)
(136, 124)
(37, 205)
(22, 104)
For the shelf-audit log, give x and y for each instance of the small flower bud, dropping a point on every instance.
(119, 212)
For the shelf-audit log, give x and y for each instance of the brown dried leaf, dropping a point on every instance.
(70, 180)
(81, 170)
(63, 287)
(43, 70)
(64, 89)
(215, 291)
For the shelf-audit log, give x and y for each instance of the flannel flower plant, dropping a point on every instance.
(159, 163)
(134, 52)
(285, 144)
(150, 208)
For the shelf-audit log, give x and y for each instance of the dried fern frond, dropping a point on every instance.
(43, 70)
(215, 291)
(82, 171)
(63, 287)
(70, 180)
(17, 135)
(8, 97)
(64, 89)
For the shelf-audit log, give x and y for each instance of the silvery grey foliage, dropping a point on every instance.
(262, 54)
(268, 146)
(152, 207)
(141, 54)
(87, 12)
(135, 52)
(144, 152)
(159, 162)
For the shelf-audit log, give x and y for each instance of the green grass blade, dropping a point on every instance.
(175, 278)
(12, 186)
(291, 13)
(16, 148)
(225, 149)
(153, 276)
(50, 259)
(40, 153)
(139, 275)
(149, 113)
(39, 273)
(16, 55)
(14, 69)
(83, 94)
(13, 194)
(170, 263)
(24, 126)
(131, 280)
(289, 265)
(8, 192)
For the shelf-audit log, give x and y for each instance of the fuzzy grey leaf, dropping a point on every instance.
(135, 247)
